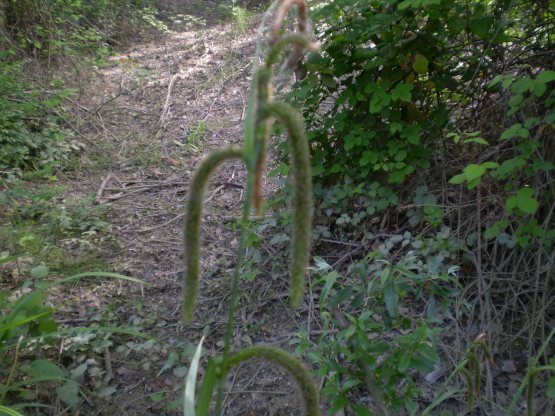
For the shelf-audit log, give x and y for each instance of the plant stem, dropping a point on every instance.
(12, 370)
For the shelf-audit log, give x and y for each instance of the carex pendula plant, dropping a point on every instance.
(261, 110)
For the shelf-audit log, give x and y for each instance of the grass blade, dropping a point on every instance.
(189, 398)
(7, 411)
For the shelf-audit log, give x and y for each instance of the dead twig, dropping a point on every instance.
(101, 188)
(166, 108)
(178, 217)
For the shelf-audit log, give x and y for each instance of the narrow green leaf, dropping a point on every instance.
(98, 274)
(445, 396)
(551, 388)
(189, 394)
(207, 387)
(10, 412)
(391, 297)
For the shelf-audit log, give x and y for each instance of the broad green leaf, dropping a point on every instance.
(380, 99)
(330, 280)
(405, 4)
(457, 179)
(412, 134)
(456, 25)
(106, 391)
(329, 82)
(474, 171)
(539, 89)
(514, 131)
(496, 80)
(349, 384)
(39, 272)
(523, 200)
(361, 410)
(492, 232)
(481, 26)
(495, 229)
(522, 85)
(180, 371)
(172, 359)
(508, 167)
(69, 394)
(157, 397)
(542, 165)
(479, 140)
(420, 64)
(422, 364)
(402, 92)
(490, 165)
(546, 76)
(404, 363)
(340, 297)
(78, 373)
(531, 122)
(43, 368)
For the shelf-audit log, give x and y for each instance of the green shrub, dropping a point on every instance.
(373, 338)
(393, 75)
(31, 138)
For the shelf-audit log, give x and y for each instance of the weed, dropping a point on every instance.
(196, 137)
(259, 110)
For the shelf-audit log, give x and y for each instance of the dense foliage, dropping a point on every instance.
(407, 100)
(51, 34)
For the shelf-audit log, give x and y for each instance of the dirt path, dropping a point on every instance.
(152, 114)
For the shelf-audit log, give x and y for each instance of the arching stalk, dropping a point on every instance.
(302, 196)
(193, 217)
(260, 110)
(302, 375)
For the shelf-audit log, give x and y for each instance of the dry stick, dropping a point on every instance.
(484, 309)
(166, 108)
(282, 13)
(12, 369)
(101, 188)
(177, 217)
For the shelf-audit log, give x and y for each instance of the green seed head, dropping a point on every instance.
(192, 224)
